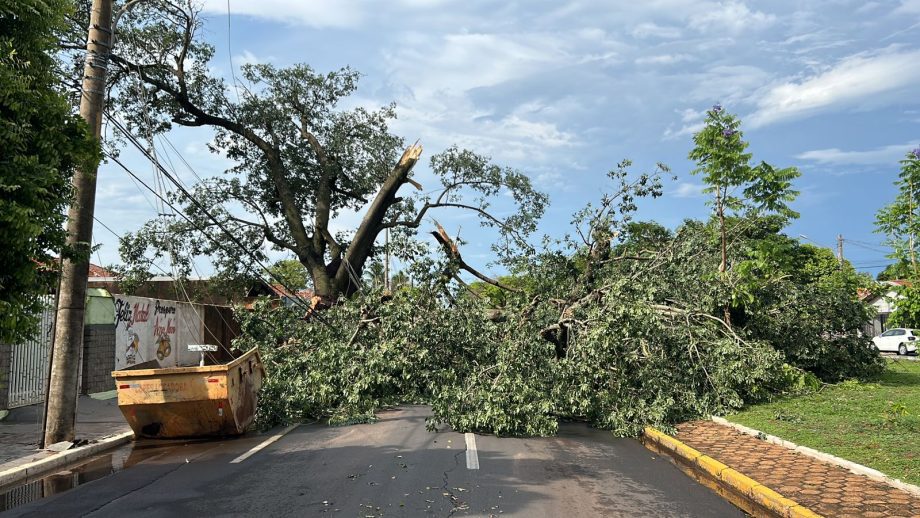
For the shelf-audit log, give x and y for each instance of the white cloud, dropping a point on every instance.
(889, 155)
(688, 190)
(248, 58)
(439, 75)
(528, 134)
(691, 115)
(465, 61)
(314, 13)
(731, 17)
(867, 7)
(663, 59)
(908, 7)
(861, 78)
(652, 30)
(593, 34)
(686, 129)
(728, 84)
(544, 133)
(691, 122)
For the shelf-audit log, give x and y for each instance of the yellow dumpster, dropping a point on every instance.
(208, 400)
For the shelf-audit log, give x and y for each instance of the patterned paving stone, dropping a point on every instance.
(824, 488)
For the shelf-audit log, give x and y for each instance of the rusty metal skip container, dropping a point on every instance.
(201, 401)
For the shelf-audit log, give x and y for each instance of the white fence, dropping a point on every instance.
(29, 362)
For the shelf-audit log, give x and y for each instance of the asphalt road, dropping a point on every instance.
(392, 468)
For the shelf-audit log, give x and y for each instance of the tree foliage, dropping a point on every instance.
(907, 308)
(738, 188)
(303, 158)
(43, 142)
(610, 325)
(291, 273)
(896, 271)
(900, 221)
(741, 193)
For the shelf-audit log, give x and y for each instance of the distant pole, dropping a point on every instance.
(910, 226)
(386, 266)
(60, 418)
(840, 249)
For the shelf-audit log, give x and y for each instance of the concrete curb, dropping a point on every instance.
(49, 464)
(853, 467)
(737, 488)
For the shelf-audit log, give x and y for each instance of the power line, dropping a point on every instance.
(176, 283)
(233, 238)
(295, 298)
(866, 246)
(230, 54)
(158, 167)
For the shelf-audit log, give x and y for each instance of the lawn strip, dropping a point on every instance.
(876, 424)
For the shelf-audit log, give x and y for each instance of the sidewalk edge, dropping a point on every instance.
(49, 464)
(853, 467)
(730, 484)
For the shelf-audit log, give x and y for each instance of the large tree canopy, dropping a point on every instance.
(42, 142)
(302, 158)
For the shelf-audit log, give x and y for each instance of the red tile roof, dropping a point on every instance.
(281, 291)
(98, 271)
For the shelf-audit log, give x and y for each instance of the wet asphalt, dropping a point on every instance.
(393, 467)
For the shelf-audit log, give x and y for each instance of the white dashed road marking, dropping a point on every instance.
(263, 444)
(472, 456)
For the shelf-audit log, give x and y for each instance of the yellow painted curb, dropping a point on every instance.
(759, 495)
(711, 466)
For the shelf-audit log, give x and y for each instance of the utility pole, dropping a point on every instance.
(840, 249)
(910, 226)
(386, 266)
(61, 406)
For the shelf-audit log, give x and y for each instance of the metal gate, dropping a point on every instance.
(29, 362)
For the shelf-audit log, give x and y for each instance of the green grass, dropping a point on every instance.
(875, 424)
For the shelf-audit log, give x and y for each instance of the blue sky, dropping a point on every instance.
(565, 90)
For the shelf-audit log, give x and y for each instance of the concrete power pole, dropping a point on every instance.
(61, 403)
(840, 249)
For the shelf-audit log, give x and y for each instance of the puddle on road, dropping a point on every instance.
(85, 472)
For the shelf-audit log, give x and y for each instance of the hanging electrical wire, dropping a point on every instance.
(188, 328)
(867, 246)
(161, 176)
(217, 243)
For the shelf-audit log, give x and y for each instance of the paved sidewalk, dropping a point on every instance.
(824, 488)
(20, 431)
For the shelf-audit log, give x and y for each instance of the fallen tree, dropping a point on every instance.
(621, 327)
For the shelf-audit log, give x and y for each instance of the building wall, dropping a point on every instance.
(98, 358)
(884, 304)
(878, 325)
(199, 324)
(6, 355)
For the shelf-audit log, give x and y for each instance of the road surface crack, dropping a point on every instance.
(456, 503)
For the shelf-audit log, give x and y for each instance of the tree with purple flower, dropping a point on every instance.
(738, 188)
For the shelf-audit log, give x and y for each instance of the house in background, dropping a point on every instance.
(884, 304)
(291, 298)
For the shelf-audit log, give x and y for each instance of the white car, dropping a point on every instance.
(899, 340)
